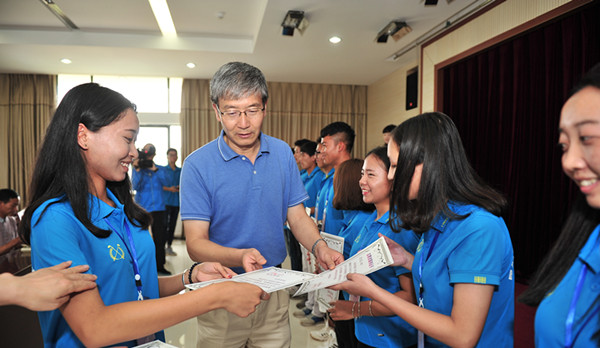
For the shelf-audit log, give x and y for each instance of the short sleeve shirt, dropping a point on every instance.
(58, 236)
(551, 314)
(384, 331)
(475, 250)
(245, 203)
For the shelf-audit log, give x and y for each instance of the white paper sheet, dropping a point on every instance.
(155, 344)
(269, 279)
(372, 258)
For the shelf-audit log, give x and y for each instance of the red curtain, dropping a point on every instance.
(506, 103)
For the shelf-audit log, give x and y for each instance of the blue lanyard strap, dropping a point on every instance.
(571, 314)
(136, 269)
(435, 238)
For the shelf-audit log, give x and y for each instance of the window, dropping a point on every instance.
(158, 101)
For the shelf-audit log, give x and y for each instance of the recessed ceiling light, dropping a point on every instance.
(335, 39)
(191, 65)
(65, 61)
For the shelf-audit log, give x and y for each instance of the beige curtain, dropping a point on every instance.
(294, 111)
(27, 103)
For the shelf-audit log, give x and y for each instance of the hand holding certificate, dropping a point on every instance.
(371, 259)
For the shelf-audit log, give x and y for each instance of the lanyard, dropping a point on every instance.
(421, 336)
(136, 269)
(571, 314)
(324, 216)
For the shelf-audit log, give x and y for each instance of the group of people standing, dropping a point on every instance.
(452, 281)
(157, 191)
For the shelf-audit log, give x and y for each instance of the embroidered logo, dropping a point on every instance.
(116, 254)
(480, 280)
(420, 246)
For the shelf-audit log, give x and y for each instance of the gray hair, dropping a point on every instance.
(236, 80)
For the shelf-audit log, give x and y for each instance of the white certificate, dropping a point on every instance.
(155, 344)
(269, 279)
(334, 242)
(372, 258)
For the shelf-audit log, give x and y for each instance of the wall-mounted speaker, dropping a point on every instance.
(412, 88)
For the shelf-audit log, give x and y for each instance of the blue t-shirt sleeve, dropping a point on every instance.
(196, 202)
(478, 257)
(54, 239)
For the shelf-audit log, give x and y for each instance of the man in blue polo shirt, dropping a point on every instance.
(236, 193)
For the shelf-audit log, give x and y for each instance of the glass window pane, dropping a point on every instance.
(66, 82)
(149, 94)
(175, 84)
(157, 136)
(175, 132)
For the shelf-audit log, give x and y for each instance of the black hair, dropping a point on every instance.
(171, 149)
(578, 227)
(388, 128)
(301, 142)
(60, 169)
(343, 129)
(381, 153)
(7, 194)
(431, 139)
(309, 148)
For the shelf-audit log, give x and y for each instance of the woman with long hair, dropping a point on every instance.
(463, 267)
(566, 284)
(81, 210)
(375, 325)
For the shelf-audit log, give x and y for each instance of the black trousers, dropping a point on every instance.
(159, 235)
(294, 250)
(171, 214)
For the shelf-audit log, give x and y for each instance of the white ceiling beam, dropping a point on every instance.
(227, 44)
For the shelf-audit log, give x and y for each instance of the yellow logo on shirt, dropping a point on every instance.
(116, 254)
(420, 246)
(480, 280)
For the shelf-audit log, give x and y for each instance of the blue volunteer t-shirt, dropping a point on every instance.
(354, 220)
(171, 178)
(58, 236)
(475, 250)
(324, 186)
(551, 315)
(245, 203)
(312, 184)
(384, 331)
(333, 218)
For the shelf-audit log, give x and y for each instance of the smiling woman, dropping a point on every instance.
(82, 210)
(565, 286)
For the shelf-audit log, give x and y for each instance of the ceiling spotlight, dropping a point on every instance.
(294, 20)
(335, 39)
(65, 61)
(395, 29)
(431, 2)
(191, 65)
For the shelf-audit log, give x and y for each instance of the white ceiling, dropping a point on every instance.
(121, 37)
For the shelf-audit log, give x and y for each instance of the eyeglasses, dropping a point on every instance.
(236, 114)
